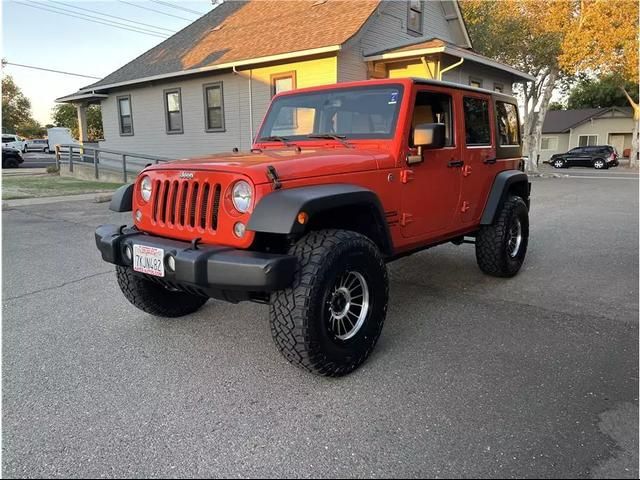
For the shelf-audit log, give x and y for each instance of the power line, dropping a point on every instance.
(128, 27)
(112, 16)
(156, 11)
(176, 7)
(4, 62)
(66, 11)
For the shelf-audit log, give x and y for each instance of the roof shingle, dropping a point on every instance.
(243, 30)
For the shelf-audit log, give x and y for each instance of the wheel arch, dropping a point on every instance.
(341, 206)
(506, 183)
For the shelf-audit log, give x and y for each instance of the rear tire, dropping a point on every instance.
(502, 246)
(599, 164)
(153, 298)
(330, 319)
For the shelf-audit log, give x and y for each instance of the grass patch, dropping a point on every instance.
(34, 186)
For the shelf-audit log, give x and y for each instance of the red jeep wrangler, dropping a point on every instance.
(340, 180)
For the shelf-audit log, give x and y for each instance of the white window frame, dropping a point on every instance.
(588, 135)
(549, 138)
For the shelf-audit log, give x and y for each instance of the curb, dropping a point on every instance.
(26, 202)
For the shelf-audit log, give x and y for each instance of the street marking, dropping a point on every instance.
(606, 178)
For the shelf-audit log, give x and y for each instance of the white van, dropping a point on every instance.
(14, 141)
(60, 136)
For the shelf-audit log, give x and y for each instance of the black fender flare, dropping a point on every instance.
(122, 199)
(503, 182)
(278, 211)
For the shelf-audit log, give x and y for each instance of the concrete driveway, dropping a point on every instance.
(474, 376)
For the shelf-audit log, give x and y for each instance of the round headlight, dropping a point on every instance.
(145, 188)
(241, 196)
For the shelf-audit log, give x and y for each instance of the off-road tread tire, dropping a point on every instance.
(153, 298)
(491, 253)
(292, 311)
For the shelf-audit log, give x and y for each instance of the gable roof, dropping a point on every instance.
(561, 121)
(243, 30)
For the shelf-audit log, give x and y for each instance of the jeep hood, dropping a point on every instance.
(289, 163)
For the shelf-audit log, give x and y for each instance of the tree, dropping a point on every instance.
(601, 92)
(31, 129)
(529, 35)
(605, 41)
(66, 115)
(556, 106)
(16, 108)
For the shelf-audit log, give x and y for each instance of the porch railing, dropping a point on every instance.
(126, 163)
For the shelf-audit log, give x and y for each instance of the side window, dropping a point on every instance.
(213, 107)
(508, 131)
(173, 110)
(414, 17)
(476, 122)
(6, 139)
(433, 108)
(124, 115)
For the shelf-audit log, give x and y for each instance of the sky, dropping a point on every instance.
(59, 41)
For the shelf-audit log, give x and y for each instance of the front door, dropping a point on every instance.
(431, 189)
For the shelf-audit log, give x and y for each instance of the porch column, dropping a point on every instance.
(82, 121)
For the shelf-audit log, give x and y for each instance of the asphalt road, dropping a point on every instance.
(37, 160)
(474, 376)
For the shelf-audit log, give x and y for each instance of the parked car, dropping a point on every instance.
(341, 179)
(11, 157)
(14, 141)
(38, 144)
(597, 156)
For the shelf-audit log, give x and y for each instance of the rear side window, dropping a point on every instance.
(508, 131)
(476, 121)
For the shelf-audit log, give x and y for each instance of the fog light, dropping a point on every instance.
(171, 263)
(138, 215)
(238, 229)
(127, 252)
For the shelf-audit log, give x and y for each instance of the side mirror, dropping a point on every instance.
(427, 135)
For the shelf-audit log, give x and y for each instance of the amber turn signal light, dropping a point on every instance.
(303, 218)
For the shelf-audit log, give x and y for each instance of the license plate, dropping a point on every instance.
(149, 260)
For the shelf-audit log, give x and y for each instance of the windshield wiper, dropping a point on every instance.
(275, 138)
(332, 136)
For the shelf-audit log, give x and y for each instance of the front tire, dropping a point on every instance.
(153, 298)
(502, 246)
(599, 164)
(330, 319)
(558, 163)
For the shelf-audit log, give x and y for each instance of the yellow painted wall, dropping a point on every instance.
(413, 68)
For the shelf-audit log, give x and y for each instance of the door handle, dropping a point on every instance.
(455, 163)
(490, 161)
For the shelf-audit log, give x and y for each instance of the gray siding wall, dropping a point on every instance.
(387, 28)
(149, 130)
(488, 75)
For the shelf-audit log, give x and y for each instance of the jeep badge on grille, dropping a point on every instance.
(186, 175)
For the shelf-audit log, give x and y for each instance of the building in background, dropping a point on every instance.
(206, 88)
(565, 129)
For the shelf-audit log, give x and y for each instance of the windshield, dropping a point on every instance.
(361, 112)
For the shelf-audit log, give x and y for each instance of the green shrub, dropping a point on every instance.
(53, 169)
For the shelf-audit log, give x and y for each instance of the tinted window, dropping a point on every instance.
(476, 121)
(508, 131)
(6, 139)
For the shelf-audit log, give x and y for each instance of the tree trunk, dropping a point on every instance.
(635, 108)
(537, 103)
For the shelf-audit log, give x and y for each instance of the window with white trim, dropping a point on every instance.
(549, 143)
(125, 119)
(414, 17)
(587, 140)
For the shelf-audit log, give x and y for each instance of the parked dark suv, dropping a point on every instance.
(596, 156)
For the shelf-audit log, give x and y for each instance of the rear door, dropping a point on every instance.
(478, 154)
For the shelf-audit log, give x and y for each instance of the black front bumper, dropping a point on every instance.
(218, 272)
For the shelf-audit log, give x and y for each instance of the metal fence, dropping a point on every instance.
(126, 163)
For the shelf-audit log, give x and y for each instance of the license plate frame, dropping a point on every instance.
(148, 260)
